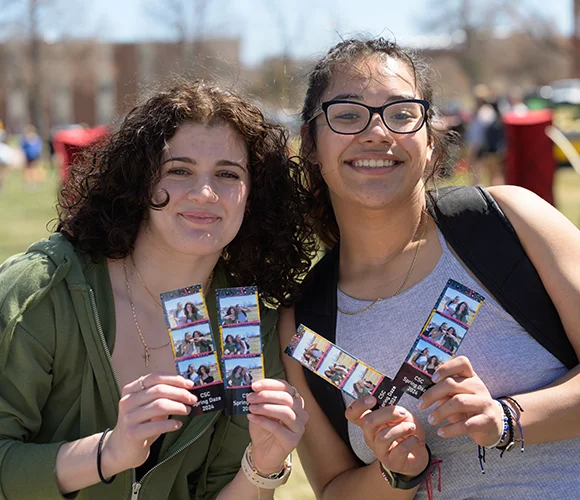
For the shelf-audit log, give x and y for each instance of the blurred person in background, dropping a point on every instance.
(485, 139)
(31, 144)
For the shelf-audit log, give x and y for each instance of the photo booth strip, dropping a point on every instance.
(241, 342)
(193, 346)
(341, 369)
(440, 337)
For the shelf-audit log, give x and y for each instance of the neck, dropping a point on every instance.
(163, 270)
(369, 239)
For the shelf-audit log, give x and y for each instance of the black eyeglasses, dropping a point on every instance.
(349, 117)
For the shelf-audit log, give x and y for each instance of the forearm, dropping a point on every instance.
(551, 413)
(76, 464)
(240, 488)
(364, 482)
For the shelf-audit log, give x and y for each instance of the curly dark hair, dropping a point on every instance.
(341, 56)
(109, 191)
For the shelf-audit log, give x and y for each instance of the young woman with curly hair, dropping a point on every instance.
(195, 187)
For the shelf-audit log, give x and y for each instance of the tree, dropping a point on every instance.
(476, 25)
(186, 19)
(24, 24)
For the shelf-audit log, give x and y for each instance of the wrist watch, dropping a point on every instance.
(266, 482)
(396, 480)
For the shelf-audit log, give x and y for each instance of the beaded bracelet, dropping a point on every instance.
(511, 441)
(99, 453)
(515, 416)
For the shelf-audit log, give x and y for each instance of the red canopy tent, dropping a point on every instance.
(69, 143)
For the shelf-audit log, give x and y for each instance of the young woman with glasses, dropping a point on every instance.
(370, 145)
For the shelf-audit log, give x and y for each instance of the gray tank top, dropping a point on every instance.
(382, 338)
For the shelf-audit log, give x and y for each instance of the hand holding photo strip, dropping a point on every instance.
(239, 317)
(437, 343)
(440, 337)
(193, 346)
(340, 368)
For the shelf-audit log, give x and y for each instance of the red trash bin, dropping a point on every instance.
(69, 143)
(530, 159)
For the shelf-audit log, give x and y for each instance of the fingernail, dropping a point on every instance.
(431, 419)
(369, 400)
(177, 424)
(420, 404)
(441, 432)
(189, 382)
(435, 377)
(412, 427)
(401, 411)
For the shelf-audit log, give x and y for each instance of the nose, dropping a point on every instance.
(203, 192)
(376, 131)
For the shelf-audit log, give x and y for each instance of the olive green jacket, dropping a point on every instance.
(57, 384)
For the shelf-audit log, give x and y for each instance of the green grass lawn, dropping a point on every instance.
(25, 216)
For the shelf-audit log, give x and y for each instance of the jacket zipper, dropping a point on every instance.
(136, 484)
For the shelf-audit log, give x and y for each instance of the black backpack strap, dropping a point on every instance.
(479, 232)
(317, 311)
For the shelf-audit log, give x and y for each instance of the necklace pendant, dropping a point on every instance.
(145, 356)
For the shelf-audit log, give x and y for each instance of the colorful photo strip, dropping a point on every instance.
(239, 316)
(440, 337)
(340, 368)
(193, 346)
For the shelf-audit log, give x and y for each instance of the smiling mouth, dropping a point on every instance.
(203, 219)
(373, 163)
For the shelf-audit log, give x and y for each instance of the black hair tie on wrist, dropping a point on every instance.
(99, 453)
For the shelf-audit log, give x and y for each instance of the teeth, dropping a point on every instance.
(374, 163)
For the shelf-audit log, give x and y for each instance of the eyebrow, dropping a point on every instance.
(219, 163)
(359, 97)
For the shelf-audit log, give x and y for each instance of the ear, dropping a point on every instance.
(429, 151)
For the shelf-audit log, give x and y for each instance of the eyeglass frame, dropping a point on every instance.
(372, 109)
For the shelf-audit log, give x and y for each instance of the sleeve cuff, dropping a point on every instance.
(29, 471)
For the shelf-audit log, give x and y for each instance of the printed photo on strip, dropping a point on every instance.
(445, 332)
(183, 311)
(196, 339)
(362, 381)
(336, 366)
(310, 348)
(241, 339)
(457, 305)
(202, 370)
(238, 309)
(241, 372)
(427, 356)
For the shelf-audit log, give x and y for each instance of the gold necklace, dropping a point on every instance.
(209, 282)
(142, 282)
(409, 272)
(146, 347)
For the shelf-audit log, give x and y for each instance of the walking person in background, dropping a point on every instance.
(31, 145)
(485, 139)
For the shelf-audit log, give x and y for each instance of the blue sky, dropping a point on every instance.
(312, 26)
